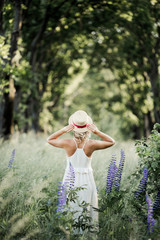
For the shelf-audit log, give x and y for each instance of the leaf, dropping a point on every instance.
(154, 165)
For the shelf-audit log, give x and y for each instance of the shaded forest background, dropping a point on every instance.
(60, 56)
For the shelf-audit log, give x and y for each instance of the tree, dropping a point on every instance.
(9, 96)
(126, 39)
(119, 36)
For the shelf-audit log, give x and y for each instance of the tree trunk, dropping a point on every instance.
(9, 97)
(137, 132)
(155, 83)
(34, 107)
(1, 33)
(32, 110)
(148, 124)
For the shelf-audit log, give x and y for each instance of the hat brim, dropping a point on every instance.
(76, 129)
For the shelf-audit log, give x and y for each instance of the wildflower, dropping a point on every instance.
(157, 202)
(151, 222)
(142, 183)
(70, 178)
(12, 159)
(118, 174)
(61, 197)
(111, 173)
(114, 173)
(62, 191)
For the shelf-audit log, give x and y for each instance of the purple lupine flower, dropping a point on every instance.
(61, 197)
(151, 222)
(111, 173)
(157, 201)
(70, 179)
(142, 183)
(118, 174)
(62, 191)
(12, 159)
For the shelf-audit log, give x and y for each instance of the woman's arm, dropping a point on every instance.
(53, 138)
(107, 140)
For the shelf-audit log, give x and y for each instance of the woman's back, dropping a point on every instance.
(79, 159)
(73, 145)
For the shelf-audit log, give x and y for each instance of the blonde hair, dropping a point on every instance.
(81, 135)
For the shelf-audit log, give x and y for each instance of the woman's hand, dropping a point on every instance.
(68, 128)
(92, 128)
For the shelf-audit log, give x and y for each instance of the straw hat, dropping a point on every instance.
(79, 119)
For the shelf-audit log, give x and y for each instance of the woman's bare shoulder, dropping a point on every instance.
(91, 143)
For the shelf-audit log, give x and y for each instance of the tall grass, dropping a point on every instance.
(27, 187)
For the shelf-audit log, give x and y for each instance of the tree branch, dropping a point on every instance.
(39, 35)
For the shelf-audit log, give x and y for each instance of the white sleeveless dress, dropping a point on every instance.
(83, 175)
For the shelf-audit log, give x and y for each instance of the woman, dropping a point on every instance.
(79, 152)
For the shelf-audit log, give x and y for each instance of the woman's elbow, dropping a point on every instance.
(113, 142)
(48, 139)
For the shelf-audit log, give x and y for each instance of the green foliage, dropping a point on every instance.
(113, 210)
(149, 155)
(118, 42)
(4, 66)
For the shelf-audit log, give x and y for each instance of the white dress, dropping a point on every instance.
(83, 175)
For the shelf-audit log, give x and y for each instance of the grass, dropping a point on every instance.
(33, 179)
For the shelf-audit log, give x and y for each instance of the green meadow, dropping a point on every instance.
(32, 180)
